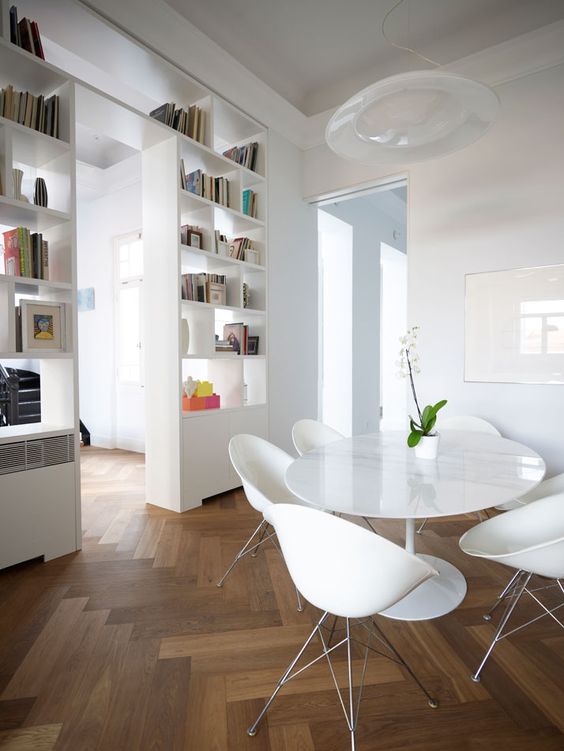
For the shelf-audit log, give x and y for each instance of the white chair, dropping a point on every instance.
(312, 434)
(347, 572)
(546, 487)
(471, 424)
(261, 467)
(530, 539)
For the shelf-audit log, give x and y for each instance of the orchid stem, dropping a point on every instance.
(413, 386)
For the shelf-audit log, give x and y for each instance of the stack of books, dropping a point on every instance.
(249, 202)
(191, 123)
(32, 111)
(204, 288)
(246, 155)
(25, 34)
(237, 334)
(238, 246)
(223, 345)
(213, 188)
(26, 254)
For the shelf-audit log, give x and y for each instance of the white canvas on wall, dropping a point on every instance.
(514, 326)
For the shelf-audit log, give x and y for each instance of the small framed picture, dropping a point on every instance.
(252, 346)
(42, 326)
(195, 239)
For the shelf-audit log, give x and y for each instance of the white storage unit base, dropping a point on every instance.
(38, 514)
(206, 469)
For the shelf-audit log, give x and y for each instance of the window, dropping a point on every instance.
(542, 327)
(129, 301)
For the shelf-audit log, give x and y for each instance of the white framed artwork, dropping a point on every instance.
(514, 326)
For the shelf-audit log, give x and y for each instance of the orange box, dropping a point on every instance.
(193, 403)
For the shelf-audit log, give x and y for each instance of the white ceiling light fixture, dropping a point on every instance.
(411, 117)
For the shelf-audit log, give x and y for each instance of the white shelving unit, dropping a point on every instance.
(39, 477)
(186, 453)
(187, 457)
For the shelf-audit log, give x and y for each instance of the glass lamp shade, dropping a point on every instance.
(412, 117)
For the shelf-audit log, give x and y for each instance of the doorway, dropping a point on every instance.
(363, 308)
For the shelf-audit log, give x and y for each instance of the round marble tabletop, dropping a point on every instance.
(378, 475)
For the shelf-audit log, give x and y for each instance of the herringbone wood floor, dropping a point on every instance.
(129, 645)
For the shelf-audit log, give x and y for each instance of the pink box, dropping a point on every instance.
(212, 402)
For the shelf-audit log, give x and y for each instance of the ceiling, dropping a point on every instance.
(317, 53)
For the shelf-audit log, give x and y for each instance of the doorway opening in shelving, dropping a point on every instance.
(362, 308)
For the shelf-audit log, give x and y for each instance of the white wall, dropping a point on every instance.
(116, 212)
(292, 295)
(497, 204)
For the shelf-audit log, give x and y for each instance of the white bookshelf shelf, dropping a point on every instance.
(229, 308)
(216, 261)
(26, 284)
(192, 202)
(33, 147)
(38, 355)
(220, 410)
(212, 161)
(36, 218)
(223, 356)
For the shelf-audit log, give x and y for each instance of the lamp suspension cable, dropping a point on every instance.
(401, 46)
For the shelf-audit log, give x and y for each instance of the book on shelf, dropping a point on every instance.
(209, 288)
(192, 236)
(34, 112)
(237, 335)
(238, 246)
(206, 186)
(191, 123)
(26, 254)
(25, 34)
(250, 202)
(245, 155)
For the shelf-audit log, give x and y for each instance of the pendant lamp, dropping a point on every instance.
(412, 117)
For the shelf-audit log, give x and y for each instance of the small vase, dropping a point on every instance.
(40, 197)
(428, 447)
(17, 177)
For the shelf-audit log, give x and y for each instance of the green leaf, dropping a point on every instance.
(439, 405)
(413, 425)
(414, 437)
(429, 426)
(426, 415)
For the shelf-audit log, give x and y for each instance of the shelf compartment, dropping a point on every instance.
(26, 284)
(37, 148)
(225, 374)
(27, 72)
(37, 218)
(247, 312)
(212, 261)
(221, 410)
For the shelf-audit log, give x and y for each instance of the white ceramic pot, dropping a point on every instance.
(428, 447)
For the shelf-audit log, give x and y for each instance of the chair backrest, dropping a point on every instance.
(468, 422)
(312, 434)
(529, 538)
(547, 487)
(341, 567)
(261, 467)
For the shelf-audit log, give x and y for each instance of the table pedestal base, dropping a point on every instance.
(436, 597)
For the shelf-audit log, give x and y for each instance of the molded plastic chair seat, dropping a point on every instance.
(261, 467)
(529, 539)
(347, 572)
(547, 487)
(312, 434)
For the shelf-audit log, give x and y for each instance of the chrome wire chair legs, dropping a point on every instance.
(517, 586)
(349, 703)
(263, 533)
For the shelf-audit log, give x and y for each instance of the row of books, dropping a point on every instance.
(25, 34)
(249, 202)
(191, 123)
(199, 287)
(26, 254)
(206, 186)
(238, 246)
(246, 155)
(32, 111)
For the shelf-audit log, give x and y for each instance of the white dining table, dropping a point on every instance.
(379, 476)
